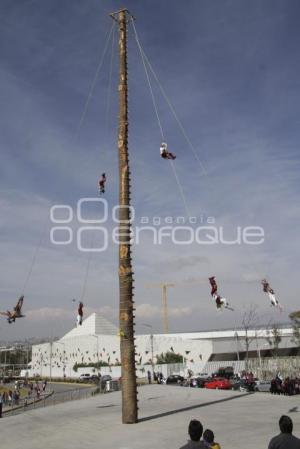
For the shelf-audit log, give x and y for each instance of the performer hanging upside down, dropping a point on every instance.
(102, 182)
(220, 302)
(16, 313)
(270, 292)
(80, 314)
(165, 154)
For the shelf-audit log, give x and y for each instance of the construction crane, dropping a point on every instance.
(164, 287)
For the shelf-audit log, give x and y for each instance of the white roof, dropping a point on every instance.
(94, 324)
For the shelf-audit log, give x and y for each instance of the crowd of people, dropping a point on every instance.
(206, 440)
(288, 386)
(12, 397)
(159, 378)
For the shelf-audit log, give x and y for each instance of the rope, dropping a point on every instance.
(180, 190)
(148, 79)
(107, 133)
(32, 264)
(145, 58)
(146, 62)
(37, 248)
(85, 279)
(85, 109)
(33, 260)
(109, 80)
(158, 120)
(204, 172)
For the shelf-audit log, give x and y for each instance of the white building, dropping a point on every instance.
(97, 340)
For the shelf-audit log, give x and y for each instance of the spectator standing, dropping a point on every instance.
(285, 440)
(10, 397)
(1, 403)
(161, 377)
(149, 376)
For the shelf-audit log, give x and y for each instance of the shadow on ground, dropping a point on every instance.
(192, 407)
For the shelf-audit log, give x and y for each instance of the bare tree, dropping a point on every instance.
(250, 320)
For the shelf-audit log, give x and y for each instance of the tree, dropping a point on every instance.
(274, 339)
(97, 365)
(169, 357)
(250, 320)
(295, 319)
(126, 308)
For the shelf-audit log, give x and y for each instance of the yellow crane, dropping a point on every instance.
(164, 287)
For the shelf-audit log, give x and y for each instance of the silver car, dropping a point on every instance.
(262, 385)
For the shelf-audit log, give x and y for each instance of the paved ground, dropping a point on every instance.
(239, 420)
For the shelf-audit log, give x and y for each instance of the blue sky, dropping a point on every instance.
(231, 70)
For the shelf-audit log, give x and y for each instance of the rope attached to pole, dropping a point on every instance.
(145, 58)
(158, 119)
(86, 106)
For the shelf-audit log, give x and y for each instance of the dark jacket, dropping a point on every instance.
(194, 445)
(284, 441)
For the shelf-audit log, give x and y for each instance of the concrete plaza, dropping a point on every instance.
(239, 420)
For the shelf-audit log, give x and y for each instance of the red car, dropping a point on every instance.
(219, 383)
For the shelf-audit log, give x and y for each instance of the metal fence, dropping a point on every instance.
(52, 398)
(269, 367)
(264, 368)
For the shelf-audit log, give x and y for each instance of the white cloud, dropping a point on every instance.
(150, 311)
(48, 313)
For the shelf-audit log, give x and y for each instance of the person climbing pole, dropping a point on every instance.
(102, 182)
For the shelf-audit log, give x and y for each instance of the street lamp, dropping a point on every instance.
(98, 360)
(259, 353)
(237, 347)
(152, 349)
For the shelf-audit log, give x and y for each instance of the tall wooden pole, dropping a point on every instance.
(127, 347)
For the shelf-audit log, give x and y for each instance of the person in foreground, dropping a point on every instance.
(208, 440)
(195, 433)
(285, 440)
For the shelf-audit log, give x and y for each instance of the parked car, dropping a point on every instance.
(84, 377)
(200, 381)
(262, 385)
(242, 385)
(218, 383)
(203, 375)
(94, 378)
(175, 379)
(225, 371)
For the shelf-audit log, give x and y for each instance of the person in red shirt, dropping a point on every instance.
(80, 314)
